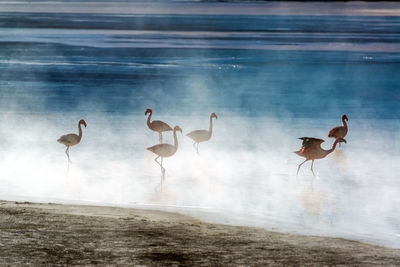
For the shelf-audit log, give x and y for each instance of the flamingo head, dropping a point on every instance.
(177, 128)
(148, 111)
(213, 115)
(83, 122)
(344, 117)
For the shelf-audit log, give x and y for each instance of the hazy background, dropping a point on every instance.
(272, 72)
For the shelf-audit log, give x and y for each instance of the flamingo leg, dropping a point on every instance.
(340, 144)
(160, 137)
(312, 163)
(300, 166)
(159, 186)
(67, 152)
(162, 168)
(157, 161)
(197, 149)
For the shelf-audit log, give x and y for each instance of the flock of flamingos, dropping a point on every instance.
(310, 149)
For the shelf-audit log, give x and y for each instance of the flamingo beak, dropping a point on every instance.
(344, 140)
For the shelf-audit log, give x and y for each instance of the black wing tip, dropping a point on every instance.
(311, 138)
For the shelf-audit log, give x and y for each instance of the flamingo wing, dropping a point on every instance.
(336, 132)
(68, 139)
(310, 141)
(199, 135)
(163, 150)
(160, 126)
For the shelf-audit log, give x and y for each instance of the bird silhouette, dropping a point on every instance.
(339, 131)
(72, 139)
(199, 136)
(157, 126)
(311, 150)
(165, 150)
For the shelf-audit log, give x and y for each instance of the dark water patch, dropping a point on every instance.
(237, 23)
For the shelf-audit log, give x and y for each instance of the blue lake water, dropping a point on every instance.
(269, 78)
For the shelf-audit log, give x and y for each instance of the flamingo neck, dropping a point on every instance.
(344, 123)
(80, 131)
(211, 126)
(148, 119)
(175, 140)
(333, 147)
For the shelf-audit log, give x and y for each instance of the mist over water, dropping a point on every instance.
(270, 80)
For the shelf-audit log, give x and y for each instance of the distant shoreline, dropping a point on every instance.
(283, 8)
(79, 235)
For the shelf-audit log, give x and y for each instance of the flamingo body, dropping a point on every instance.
(199, 136)
(311, 148)
(159, 126)
(69, 139)
(163, 150)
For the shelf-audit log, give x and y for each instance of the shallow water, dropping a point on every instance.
(269, 78)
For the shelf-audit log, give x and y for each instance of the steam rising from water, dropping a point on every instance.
(247, 168)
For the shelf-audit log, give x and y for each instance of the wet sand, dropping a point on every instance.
(55, 234)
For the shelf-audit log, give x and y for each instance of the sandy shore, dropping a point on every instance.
(86, 235)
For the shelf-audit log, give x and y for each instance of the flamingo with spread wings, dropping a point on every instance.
(311, 150)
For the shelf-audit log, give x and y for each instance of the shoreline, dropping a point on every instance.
(60, 234)
(308, 8)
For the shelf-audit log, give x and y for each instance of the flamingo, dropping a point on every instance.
(165, 150)
(311, 150)
(199, 136)
(72, 139)
(339, 131)
(157, 126)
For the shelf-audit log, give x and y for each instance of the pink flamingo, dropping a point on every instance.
(199, 136)
(72, 139)
(157, 126)
(165, 150)
(311, 150)
(339, 131)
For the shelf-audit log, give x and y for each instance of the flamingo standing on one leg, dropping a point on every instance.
(72, 139)
(157, 126)
(165, 150)
(339, 131)
(199, 136)
(311, 150)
